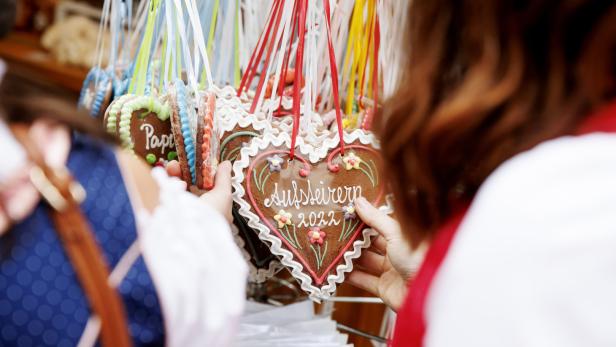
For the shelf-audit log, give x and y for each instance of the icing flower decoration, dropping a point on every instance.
(349, 211)
(283, 218)
(351, 161)
(315, 235)
(275, 163)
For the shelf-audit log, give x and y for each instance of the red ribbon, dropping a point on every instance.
(334, 73)
(263, 77)
(300, 9)
(255, 58)
(285, 63)
(299, 65)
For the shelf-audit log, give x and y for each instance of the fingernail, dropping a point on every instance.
(361, 202)
(226, 164)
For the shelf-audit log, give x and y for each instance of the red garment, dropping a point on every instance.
(411, 325)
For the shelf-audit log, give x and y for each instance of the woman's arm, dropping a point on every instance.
(198, 271)
(144, 190)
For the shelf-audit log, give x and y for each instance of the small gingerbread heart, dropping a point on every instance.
(183, 113)
(111, 119)
(145, 129)
(206, 137)
(96, 92)
(237, 125)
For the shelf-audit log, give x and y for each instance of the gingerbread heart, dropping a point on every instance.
(205, 155)
(183, 113)
(238, 128)
(96, 92)
(232, 141)
(237, 125)
(111, 119)
(262, 263)
(145, 129)
(303, 207)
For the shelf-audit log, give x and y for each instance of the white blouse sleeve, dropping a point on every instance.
(198, 271)
(534, 261)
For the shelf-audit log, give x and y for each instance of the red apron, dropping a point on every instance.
(411, 323)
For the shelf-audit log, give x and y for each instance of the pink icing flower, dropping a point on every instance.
(351, 161)
(283, 218)
(315, 235)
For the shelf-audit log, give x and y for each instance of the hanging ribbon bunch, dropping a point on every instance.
(393, 19)
(101, 85)
(277, 64)
(295, 59)
(289, 44)
(167, 110)
(192, 107)
(221, 27)
(360, 71)
(340, 19)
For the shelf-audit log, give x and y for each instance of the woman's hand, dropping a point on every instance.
(384, 269)
(219, 197)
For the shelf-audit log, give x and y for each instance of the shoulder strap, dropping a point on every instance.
(64, 194)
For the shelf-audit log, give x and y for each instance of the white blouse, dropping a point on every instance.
(534, 261)
(199, 273)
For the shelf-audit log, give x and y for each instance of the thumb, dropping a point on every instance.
(173, 169)
(222, 182)
(379, 221)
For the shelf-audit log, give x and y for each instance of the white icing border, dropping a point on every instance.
(314, 153)
(230, 112)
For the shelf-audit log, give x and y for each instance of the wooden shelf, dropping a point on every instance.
(25, 55)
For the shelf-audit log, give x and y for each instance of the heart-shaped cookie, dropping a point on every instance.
(183, 113)
(96, 92)
(111, 119)
(145, 129)
(238, 128)
(303, 208)
(206, 161)
(237, 125)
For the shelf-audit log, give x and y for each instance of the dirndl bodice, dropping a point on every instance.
(41, 300)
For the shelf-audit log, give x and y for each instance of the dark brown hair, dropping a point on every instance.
(485, 80)
(23, 100)
(8, 10)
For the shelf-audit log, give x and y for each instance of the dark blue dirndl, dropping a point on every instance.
(41, 301)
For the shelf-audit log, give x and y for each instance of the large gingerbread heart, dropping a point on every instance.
(237, 127)
(303, 208)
